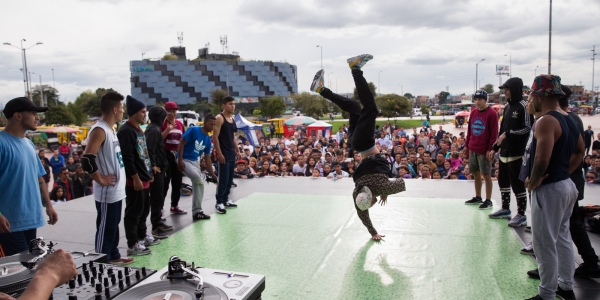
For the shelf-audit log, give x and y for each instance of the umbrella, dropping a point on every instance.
(301, 120)
(463, 113)
(60, 129)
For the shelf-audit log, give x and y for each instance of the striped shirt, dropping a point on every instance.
(109, 161)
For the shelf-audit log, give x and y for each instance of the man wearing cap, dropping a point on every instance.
(195, 143)
(481, 136)
(512, 140)
(22, 171)
(557, 149)
(172, 131)
(138, 170)
(241, 171)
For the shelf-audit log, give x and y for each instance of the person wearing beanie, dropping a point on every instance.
(158, 160)
(371, 176)
(482, 133)
(512, 140)
(172, 131)
(139, 176)
(557, 149)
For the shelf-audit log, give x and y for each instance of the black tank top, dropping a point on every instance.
(226, 138)
(558, 168)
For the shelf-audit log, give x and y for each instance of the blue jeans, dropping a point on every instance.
(16, 242)
(107, 228)
(225, 181)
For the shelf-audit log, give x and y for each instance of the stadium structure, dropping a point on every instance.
(187, 81)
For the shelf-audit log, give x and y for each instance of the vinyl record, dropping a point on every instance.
(13, 275)
(175, 290)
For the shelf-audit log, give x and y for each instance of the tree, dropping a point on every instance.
(216, 96)
(256, 113)
(310, 104)
(372, 87)
(408, 95)
(424, 109)
(489, 88)
(170, 56)
(50, 96)
(75, 110)
(392, 104)
(271, 106)
(59, 115)
(443, 97)
(89, 102)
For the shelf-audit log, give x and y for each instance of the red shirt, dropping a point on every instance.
(174, 137)
(68, 189)
(64, 149)
(483, 130)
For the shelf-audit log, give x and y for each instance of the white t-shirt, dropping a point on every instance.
(110, 161)
(288, 143)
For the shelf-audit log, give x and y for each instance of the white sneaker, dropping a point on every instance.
(150, 240)
(138, 249)
(220, 209)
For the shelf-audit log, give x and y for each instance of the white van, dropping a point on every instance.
(417, 112)
(188, 118)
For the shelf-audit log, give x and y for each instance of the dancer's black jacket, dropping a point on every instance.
(133, 149)
(516, 122)
(154, 140)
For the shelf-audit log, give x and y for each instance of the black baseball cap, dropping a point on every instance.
(19, 105)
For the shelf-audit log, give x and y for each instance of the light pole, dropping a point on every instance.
(24, 60)
(379, 82)
(535, 72)
(53, 82)
(593, 71)
(509, 65)
(477, 72)
(41, 90)
(550, 41)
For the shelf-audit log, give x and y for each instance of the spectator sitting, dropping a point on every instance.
(425, 172)
(311, 165)
(439, 162)
(455, 160)
(57, 195)
(447, 170)
(284, 172)
(65, 150)
(70, 165)
(592, 177)
(350, 167)
(437, 174)
(404, 172)
(253, 166)
(241, 171)
(80, 181)
(299, 168)
(326, 169)
(264, 170)
(65, 182)
(57, 162)
(338, 173)
(431, 147)
(47, 169)
(316, 173)
(89, 189)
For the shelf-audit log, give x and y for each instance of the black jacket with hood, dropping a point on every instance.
(516, 122)
(154, 139)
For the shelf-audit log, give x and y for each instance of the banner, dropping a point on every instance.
(502, 70)
(246, 99)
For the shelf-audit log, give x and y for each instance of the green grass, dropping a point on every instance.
(399, 123)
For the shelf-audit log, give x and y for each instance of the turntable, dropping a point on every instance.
(17, 270)
(182, 281)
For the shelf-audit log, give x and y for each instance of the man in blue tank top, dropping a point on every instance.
(227, 152)
(556, 151)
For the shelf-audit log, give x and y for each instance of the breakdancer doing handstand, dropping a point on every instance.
(370, 178)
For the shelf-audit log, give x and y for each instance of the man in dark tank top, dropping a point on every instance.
(556, 151)
(227, 153)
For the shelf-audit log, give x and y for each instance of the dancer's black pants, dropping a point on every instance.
(174, 177)
(508, 177)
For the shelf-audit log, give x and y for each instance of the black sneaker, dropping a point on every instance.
(487, 204)
(220, 209)
(159, 234)
(233, 184)
(565, 295)
(165, 227)
(474, 200)
(537, 297)
(527, 228)
(200, 216)
(230, 204)
(535, 274)
(588, 270)
(526, 251)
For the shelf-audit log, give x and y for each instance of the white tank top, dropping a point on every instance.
(109, 161)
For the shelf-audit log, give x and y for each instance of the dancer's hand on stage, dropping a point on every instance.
(383, 200)
(378, 237)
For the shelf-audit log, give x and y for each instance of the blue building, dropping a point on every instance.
(186, 82)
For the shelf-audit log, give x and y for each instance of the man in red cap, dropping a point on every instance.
(172, 131)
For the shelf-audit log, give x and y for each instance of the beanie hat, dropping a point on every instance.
(363, 198)
(171, 105)
(134, 105)
(546, 85)
(481, 94)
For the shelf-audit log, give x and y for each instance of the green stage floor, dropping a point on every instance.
(315, 247)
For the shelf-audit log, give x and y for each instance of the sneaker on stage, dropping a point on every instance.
(359, 61)
(518, 221)
(537, 297)
(487, 204)
(500, 214)
(220, 209)
(318, 82)
(587, 270)
(535, 274)
(200, 216)
(474, 200)
(121, 261)
(230, 203)
(177, 210)
(149, 240)
(138, 249)
(159, 234)
(527, 251)
(165, 227)
(565, 295)
(527, 228)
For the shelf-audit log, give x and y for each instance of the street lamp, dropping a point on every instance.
(510, 65)
(24, 61)
(535, 73)
(379, 82)
(41, 90)
(477, 72)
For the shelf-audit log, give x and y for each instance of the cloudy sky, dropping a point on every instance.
(421, 47)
